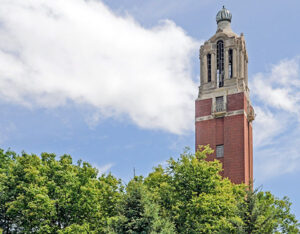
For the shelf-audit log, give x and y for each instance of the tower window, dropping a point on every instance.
(220, 63)
(230, 63)
(209, 68)
(220, 151)
(219, 104)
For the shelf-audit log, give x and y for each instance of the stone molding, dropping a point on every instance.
(221, 114)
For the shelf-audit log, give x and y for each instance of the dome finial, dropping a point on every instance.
(223, 15)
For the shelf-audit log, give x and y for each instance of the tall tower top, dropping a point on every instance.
(223, 19)
(224, 15)
(224, 60)
(223, 109)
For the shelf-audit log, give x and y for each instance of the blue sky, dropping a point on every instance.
(114, 82)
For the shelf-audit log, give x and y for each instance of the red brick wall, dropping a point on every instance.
(203, 107)
(205, 133)
(234, 163)
(210, 132)
(235, 101)
(251, 153)
(246, 151)
(234, 132)
(219, 131)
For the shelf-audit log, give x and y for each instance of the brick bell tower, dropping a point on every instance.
(224, 113)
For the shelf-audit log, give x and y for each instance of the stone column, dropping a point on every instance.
(205, 68)
(234, 63)
(246, 72)
(226, 62)
(201, 68)
(213, 68)
(241, 64)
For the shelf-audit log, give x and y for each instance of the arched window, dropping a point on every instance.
(220, 63)
(208, 67)
(230, 63)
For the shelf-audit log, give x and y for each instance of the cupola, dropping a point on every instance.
(224, 15)
(223, 19)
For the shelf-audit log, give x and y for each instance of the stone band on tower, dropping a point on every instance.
(224, 113)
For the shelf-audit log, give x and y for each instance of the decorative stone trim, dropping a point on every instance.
(221, 114)
(203, 118)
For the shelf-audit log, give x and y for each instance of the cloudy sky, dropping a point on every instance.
(114, 82)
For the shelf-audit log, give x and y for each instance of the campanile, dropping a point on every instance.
(224, 113)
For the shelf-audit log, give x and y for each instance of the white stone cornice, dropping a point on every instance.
(229, 113)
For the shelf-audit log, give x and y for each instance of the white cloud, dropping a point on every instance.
(266, 126)
(277, 125)
(281, 158)
(277, 94)
(55, 51)
(279, 88)
(103, 169)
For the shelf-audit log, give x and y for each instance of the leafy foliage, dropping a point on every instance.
(261, 212)
(138, 213)
(46, 195)
(191, 191)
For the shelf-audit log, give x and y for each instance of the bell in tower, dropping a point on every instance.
(224, 113)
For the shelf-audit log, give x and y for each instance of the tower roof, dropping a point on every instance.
(223, 15)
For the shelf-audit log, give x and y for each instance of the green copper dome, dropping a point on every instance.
(224, 15)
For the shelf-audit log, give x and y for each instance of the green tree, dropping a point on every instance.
(261, 212)
(45, 195)
(138, 213)
(78, 229)
(191, 192)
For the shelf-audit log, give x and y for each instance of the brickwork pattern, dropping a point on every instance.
(234, 132)
(203, 107)
(235, 101)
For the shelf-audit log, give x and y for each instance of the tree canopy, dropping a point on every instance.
(43, 194)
